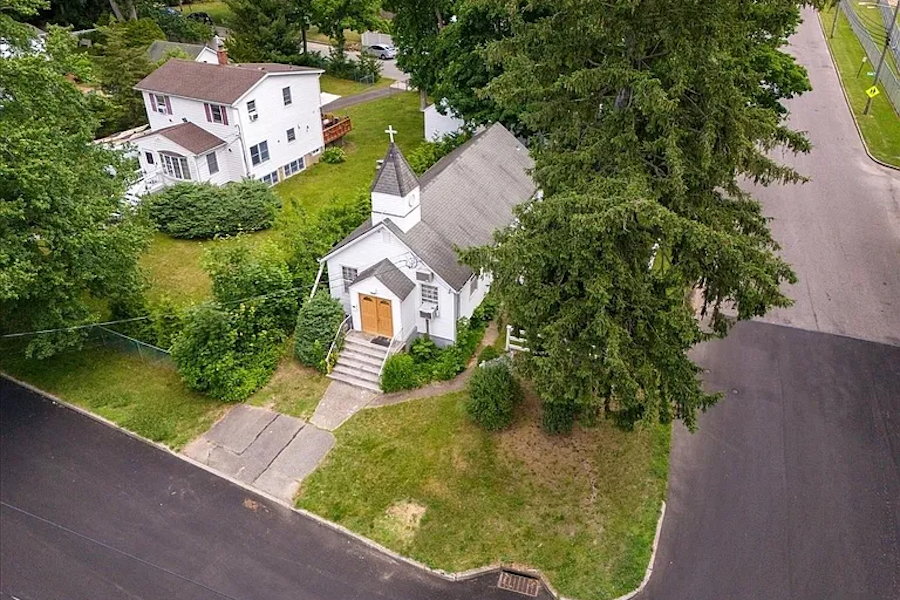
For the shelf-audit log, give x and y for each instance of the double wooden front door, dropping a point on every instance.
(377, 317)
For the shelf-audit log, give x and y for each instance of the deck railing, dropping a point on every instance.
(336, 128)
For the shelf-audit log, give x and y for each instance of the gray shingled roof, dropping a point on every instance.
(395, 176)
(387, 273)
(222, 84)
(191, 137)
(466, 196)
(157, 50)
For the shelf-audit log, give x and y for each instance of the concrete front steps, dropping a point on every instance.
(360, 362)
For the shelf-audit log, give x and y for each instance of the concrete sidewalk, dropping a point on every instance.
(267, 450)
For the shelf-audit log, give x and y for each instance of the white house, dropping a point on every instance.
(438, 125)
(398, 275)
(224, 122)
(196, 52)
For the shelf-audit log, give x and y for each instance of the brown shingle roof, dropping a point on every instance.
(191, 138)
(222, 84)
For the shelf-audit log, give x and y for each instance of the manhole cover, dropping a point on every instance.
(520, 584)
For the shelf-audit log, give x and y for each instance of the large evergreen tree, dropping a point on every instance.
(649, 116)
(68, 240)
(264, 30)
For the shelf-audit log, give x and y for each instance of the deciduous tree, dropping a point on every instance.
(332, 17)
(68, 240)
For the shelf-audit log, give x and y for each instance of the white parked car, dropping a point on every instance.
(382, 51)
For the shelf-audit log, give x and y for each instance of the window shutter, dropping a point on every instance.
(224, 116)
(168, 106)
(208, 112)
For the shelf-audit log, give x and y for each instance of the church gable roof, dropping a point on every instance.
(393, 278)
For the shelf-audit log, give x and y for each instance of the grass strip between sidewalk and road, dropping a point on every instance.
(424, 481)
(881, 127)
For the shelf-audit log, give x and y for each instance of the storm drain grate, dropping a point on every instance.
(520, 584)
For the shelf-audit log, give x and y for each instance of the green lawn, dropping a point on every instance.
(348, 87)
(881, 127)
(219, 11)
(422, 480)
(367, 143)
(294, 390)
(143, 396)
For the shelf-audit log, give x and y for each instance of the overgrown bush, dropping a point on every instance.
(225, 354)
(366, 69)
(450, 363)
(423, 350)
(310, 59)
(177, 27)
(558, 417)
(203, 210)
(317, 323)
(488, 353)
(260, 277)
(333, 155)
(493, 395)
(400, 373)
(428, 153)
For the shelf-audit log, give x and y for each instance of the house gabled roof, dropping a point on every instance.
(158, 49)
(466, 196)
(395, 176)
(393, 278)
(192, 138)
(221, 84)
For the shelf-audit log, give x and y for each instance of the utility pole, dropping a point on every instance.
(887, 46)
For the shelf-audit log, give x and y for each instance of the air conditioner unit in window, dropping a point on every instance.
(429, 312)
(254, 117)
(426, 277)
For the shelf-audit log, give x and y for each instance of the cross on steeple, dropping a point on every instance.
(391, 131)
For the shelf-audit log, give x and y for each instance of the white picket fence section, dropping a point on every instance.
(515, 340)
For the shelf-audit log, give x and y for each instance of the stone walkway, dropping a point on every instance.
(267, 450)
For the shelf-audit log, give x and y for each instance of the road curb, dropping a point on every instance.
(847, 98)
(447, 576)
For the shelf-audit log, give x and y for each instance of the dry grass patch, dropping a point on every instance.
(294, 390)
(581, 508)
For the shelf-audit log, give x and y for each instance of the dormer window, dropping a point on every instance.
(161, 104)
(251, 110)
(216, 113)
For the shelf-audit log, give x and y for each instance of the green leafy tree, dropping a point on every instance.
(332, 17)
(317, 323)
(68, 240)
(265, 30)
(442, 46)
(121, 63)
(648, 121)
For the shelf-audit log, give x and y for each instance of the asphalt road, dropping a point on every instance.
(790, 489)
(89, 512)
(841, 230)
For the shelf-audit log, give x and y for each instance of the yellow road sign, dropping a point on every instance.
(872, 91)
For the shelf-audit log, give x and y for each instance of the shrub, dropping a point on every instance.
(485, 312)
(317, 323)
(333, 155)
(423, 350)
(493, 394)
(177, 27)
(488, 353)
(238, 274)
(400, 373)
(428, 153)
(558, 417)
(225, 354)
(310, 59)
(450, 363)
(203, 210)
(366, 68)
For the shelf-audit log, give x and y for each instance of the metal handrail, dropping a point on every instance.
(388, 353)
(334, 342)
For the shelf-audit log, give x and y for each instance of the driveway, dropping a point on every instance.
(87, 512)
(388, 67)
(791, 487)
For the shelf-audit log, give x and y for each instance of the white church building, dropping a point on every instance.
(398, 275)
(221, 122)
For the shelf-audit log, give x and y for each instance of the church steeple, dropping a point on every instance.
(395, 191)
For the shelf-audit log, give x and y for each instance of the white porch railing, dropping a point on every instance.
(336, 344)
(515, 339)
(398, 335)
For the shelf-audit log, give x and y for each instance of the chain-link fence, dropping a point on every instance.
(887, 15)
(888, 82)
